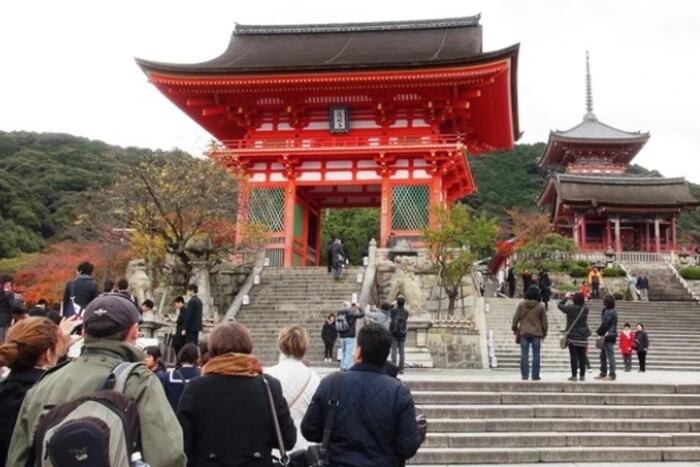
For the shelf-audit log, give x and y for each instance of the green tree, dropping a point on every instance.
(454, 243)
(187, 206)
(355, 226)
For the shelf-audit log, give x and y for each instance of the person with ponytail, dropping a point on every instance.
(32, 346)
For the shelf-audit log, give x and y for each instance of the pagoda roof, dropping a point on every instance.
(602, 191)
(593, 129)
(277, 48)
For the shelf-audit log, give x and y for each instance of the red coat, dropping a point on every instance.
(625, 343)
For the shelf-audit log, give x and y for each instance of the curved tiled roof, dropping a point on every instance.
(592, 128)
(278, 48)
(622, 190)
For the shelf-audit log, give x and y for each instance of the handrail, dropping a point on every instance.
(370, 274)
(684, 283)
(246, 288)
(261, 142)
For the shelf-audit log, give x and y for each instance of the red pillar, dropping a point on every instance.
(674, 238)
(385, 214)
(584, 239)
(577, 237)
(608, 233)
(618, 240)
(436, 197)
(290, 195)
(667, 238)
(657, 234)
(647, 242)
(242, 213)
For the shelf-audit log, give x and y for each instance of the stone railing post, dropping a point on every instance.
(201, 278)
(370, 274)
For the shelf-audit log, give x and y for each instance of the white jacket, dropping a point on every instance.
(299, 384)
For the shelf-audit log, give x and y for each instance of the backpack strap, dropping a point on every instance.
(333, 403)
(116, 379)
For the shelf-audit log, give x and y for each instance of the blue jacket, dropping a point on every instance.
(175, 380)
(375, 425)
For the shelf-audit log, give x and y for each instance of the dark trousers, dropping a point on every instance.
(511, 289)
(595, 289)
(398, 345)
(627, 359)
(607, 359)
(192, 338)
(642, 361)
(577, 357)
(328, 349)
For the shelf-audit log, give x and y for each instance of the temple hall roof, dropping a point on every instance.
(618, 191)
(274, 48)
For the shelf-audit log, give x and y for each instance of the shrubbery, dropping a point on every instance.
(690, 272)
(578, 272)
(614, 272)
(619, 296)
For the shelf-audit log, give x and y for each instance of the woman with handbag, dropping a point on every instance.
(226, 414)
(299, 382)
(576, 333)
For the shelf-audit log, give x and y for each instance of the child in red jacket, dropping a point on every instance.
(625, 342)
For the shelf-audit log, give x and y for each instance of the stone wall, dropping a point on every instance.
(455, 345)
(225, 281)
(694, 286)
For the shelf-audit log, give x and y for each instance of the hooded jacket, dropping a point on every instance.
(531, 319)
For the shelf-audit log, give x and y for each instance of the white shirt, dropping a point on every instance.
(299, 384)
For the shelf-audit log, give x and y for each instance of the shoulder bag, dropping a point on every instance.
(564, 340)
(315, 455)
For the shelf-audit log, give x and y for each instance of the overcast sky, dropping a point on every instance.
(67, 66)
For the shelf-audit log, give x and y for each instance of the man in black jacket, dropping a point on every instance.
(6, 299)
(399, 329)
(375, 423)
(192, 320)
(345, 324)
(80, 291)
(643, 287)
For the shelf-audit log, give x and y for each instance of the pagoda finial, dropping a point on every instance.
(589, 92)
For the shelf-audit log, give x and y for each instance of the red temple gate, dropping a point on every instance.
(348, 115)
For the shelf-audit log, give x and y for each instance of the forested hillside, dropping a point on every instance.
(43, 177)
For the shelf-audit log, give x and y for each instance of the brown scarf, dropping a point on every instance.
(233, 364)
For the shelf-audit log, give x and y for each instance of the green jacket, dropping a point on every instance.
(160, 431)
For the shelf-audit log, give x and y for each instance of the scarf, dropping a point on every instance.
(233, 364)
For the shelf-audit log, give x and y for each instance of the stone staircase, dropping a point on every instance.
(301, 296)
(673, 328)
(503, 422)
(663, 284)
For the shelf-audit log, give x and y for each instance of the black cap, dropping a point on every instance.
(112, 308)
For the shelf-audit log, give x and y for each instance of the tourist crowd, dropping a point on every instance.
(217, 406)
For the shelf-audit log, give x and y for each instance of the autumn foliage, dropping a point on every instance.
(46, 277)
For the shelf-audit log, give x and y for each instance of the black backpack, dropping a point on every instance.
(99, 429)
(399, 324)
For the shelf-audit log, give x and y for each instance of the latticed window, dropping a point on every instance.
(265, 205)
(409, 207)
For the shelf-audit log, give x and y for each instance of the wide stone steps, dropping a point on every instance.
(508, 422)
(302, 296)
(673, 328)
(499, 455)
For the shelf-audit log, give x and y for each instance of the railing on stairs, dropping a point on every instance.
(684, 283)
(367, 293)
(246, 288)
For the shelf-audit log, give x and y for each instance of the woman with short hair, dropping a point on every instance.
(530, 327)
(225, 414)
(176, 380)
(298, 381)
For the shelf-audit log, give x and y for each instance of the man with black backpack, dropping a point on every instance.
(345, 324)
(106, 393)
(399, 329)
